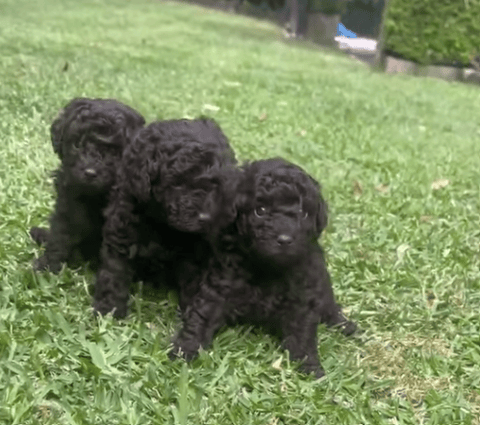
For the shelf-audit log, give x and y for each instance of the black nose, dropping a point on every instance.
(90, 172)
(204, 217)
(284, 240)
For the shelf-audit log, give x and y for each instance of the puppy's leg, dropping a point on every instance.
(59, 243)
(111, 286)
(116, 272)
(300, 339)
(201, 320)
(337, 319)
(39, 235)
(330, 312)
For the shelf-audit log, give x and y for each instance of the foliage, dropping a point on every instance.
(328, 7)
(434, 31)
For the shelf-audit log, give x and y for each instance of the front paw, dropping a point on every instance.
(315, 368)
(42, 264)
(348, 327)
(39, 235)
(339, 321)
(102, 307)
(184, 349)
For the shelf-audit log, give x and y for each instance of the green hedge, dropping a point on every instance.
(328, 7)
(433, 32)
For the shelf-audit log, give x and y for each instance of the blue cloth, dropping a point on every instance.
(341, 30)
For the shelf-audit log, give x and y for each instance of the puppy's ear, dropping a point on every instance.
(321, 218)
(56, 133)
(244, 197)
(231, 196)
(133, 125)
(137, 169)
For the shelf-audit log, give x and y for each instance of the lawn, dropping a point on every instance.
(399, 162)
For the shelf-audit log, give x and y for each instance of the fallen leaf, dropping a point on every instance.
(212, 108)
(262, 117)
(425, 218)
(232, 83)
(401, 250)
(151, 326)
(357, 188)
(383, 188)
(431, 299)
(440, 184)
(277, 364)
(44, 412)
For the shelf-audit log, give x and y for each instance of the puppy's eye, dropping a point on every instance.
(303, 214)
(260, 211)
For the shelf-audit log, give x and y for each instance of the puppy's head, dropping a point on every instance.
(281, 211)
(184, 171)
(89, 136)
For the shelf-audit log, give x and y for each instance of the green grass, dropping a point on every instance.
(404, 257)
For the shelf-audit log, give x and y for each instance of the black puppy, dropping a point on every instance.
(171, 194)
(271, 269)
(89, 136)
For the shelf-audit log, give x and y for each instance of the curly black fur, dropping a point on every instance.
(89, 136)
(270, 271)
(172, 193)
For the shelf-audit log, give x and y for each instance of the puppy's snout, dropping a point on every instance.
(203, 217)
(90, 172)
(284, 239)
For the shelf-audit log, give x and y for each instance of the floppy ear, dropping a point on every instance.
(231, 198)
(56, 133)
(138, 167)
(244, 197)
(241, 224)
(132, 126)
(321, 218)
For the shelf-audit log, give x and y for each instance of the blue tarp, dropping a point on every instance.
(341, 30)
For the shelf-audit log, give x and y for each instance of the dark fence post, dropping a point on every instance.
(379, 61)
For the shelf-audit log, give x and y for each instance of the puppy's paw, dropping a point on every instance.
(312, 368)
(42, 264)
(100, 307)
(184, 349)
(348, 327)
(39, 235)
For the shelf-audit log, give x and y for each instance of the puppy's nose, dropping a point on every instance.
(284, 240)
(90, 172)
(204, 216)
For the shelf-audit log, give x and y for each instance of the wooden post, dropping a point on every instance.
(379, 61)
